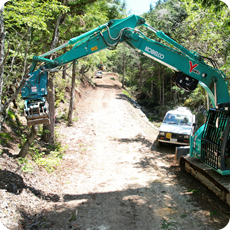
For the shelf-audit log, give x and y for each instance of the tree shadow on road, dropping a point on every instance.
(14, 183)
(131, 208)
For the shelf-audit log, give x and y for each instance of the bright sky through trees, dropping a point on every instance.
(139, 7)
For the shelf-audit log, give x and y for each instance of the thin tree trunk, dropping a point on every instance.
(171, 90)
(123, 77)
(2, 41)
(28, 143)
(151, 90)
(163, 86)
(141, 77)
(48, 130)
(64, 72)
(64, 66)
(72, 94)
(159, 79)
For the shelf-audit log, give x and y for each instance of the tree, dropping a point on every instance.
(2, 41)
(71, 105)
(48, 129)
(218, 5)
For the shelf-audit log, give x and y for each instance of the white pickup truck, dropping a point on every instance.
(177, 127)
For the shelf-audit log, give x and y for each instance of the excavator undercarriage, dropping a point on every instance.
(211, 167)
(214, 181)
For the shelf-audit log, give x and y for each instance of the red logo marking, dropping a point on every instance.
(192, 66)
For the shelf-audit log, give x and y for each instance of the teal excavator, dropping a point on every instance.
(209, 150)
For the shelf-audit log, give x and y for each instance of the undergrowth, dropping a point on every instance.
(48, 157)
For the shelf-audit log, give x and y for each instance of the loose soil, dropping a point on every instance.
(111, 177)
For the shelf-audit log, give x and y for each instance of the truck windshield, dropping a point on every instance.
(178, 119)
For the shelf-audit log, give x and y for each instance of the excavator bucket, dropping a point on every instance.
(36, 112)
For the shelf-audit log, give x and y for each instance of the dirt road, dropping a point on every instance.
(126, 183)
(113, 177)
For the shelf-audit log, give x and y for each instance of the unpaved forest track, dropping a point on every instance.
(113, 177)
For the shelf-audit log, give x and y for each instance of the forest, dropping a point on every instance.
(30, 27)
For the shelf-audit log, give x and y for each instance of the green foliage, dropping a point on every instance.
(60, 90)
(206, 30)
(51, 161)
(48, 159)
(168, 225)
(23, 140)
(25, 165)
(73, 218)
(194, 191)
(11, 114)
(196, 99)
(128, 93)
(5, 137)
(218, 5)
(31, 13)
(215, 212)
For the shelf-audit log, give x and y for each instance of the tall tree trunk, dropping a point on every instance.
(163, 86)
(64, 72)
(72, 94)
(2, 41)
(159, 79)
(140, 76)
(64, 66)
(151, 90)
(171, 85)
(123, 70)
(48, 130)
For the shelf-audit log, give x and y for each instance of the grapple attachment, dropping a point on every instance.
(36, 112)
(36, 108)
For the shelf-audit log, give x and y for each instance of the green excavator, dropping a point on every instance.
(208, 155)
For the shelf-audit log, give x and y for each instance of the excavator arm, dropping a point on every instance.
(189, 66)
(35, 91)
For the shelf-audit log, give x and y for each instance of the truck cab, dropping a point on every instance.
(177, 127)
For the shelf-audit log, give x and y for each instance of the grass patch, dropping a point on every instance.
(127, 94)
(213, 213)
(193, 191)
(5, 137)
(167, 225)
(73, 217)
(26, 166)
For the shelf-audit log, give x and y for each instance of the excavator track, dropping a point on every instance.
(217, 183)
